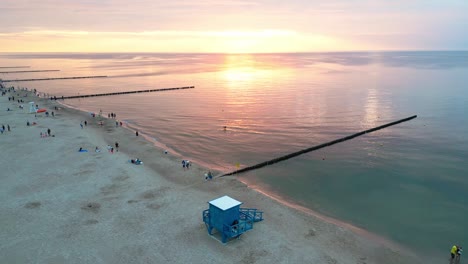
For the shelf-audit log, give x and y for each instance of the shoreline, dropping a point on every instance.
(287, 233)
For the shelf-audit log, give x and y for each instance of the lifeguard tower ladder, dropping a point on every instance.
(228, 218)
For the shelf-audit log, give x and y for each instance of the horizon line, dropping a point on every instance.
(234, 53)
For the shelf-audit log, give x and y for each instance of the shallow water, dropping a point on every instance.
(407, 182)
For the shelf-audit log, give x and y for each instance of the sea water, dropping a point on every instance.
(408, 182)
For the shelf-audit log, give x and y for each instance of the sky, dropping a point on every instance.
(232, 26)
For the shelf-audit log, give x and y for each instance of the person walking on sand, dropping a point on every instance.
(117, 146)
(48, 131)
(453, 252)
(136, 133)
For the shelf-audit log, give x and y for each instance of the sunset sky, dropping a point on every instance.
(232, 25)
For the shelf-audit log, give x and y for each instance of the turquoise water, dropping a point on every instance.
(408, 183)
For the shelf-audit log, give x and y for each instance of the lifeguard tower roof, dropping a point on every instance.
(225, 202)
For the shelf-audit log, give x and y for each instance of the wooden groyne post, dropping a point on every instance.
(127, 92)
(58, 78)
(276, 160)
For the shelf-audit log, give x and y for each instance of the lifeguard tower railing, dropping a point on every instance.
(251, 213)
(247, 217)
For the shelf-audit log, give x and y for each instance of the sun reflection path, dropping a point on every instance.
(247, 78)
(245, 71)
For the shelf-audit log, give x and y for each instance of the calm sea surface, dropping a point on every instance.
(408, 183)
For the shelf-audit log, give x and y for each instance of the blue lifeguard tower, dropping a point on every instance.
(225, 215)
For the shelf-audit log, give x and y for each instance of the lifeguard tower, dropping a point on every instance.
(225, 215)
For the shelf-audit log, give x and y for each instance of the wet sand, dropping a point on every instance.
(62, 206)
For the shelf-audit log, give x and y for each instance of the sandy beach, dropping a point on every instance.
(64, 206)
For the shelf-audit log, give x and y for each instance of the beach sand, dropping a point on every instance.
(62, 206)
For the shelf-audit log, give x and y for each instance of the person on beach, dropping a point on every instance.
(8, 126)
(453, 252)
(183, 164)
(208, 176)
(136, 133)
(86, 123)
(117, 146)
(458, 254)
(97, 149)
(48, 131)
(136, 161)
(112, 150)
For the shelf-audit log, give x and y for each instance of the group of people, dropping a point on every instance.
(455, 254)
(2, 129)
(44, 134)
(110, 149)
(208, 176)
(186, 164)
(136, 161)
